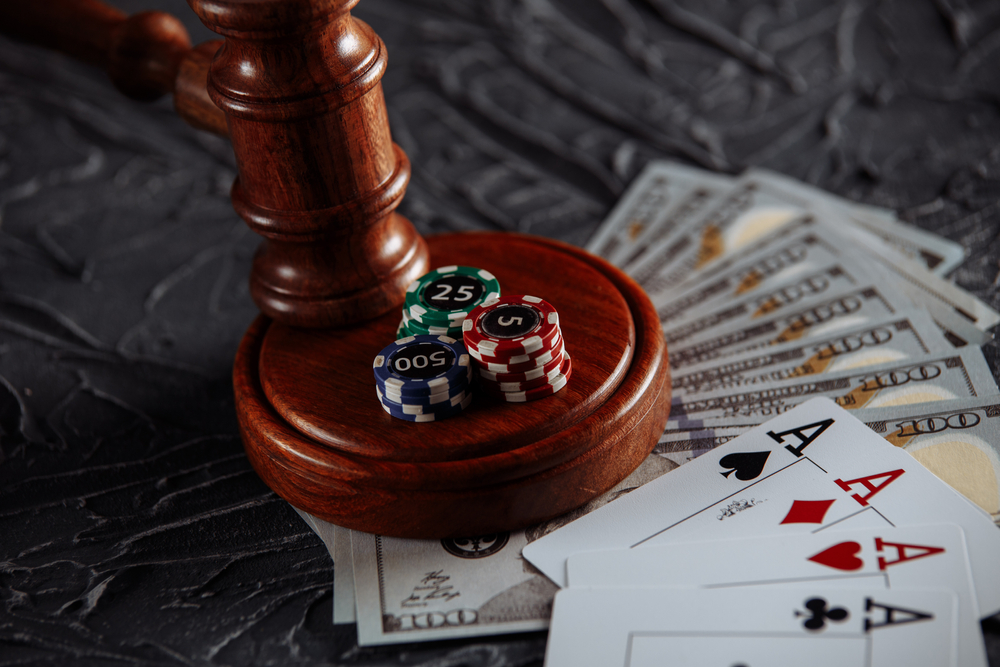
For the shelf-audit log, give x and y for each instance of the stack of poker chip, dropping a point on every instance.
(518, 348)
(423, 378)
(438, 302)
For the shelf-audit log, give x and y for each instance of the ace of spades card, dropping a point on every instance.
(808, 470)
(650, 627)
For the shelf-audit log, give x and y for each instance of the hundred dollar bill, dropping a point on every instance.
(844, 311)
(936, 378)
(791, 255)
(959, 441)
(344, 606)
(423, 590)
(937, 254)
(658, 240)
(745, 213)
(662, 196)
(648, 274)
(803, 291)
(908, 335)
(343, 572)
(959, 313)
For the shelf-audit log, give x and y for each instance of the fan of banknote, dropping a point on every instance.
(770, 293)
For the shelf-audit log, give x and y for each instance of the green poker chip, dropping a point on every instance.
(418, 329)
(444, 296)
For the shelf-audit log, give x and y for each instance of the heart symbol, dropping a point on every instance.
(746, 465)
(840, 556)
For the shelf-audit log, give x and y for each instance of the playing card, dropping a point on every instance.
(904, 558)
(818, 626)
(812, 467)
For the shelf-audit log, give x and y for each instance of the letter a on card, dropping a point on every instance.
(886, 478)
(917, 551)
(806, 434)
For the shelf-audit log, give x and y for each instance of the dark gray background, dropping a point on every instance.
(132, 529)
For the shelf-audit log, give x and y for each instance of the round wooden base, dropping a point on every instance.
(316, 433)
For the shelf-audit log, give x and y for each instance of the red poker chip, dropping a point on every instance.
(530, 346)
(511, 360)
(524, 366)
(510, 327)
(528, 375)
(555, 384)
(524, 385)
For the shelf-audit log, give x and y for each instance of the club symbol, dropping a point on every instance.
(820, 614)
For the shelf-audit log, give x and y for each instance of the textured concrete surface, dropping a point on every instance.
(133, 529)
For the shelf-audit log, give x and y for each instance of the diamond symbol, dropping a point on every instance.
(807, 511)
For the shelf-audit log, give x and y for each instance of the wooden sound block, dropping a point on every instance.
(314, 429)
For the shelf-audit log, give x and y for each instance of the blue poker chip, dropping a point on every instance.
(421, 366)
(425, 399)
(446, 404)
(428, 417)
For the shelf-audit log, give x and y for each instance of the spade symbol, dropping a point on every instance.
(746, 465)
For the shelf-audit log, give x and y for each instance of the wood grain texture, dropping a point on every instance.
(497, 466)
(319, 176)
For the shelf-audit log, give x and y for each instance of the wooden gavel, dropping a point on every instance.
(300, 87)
(296, 86)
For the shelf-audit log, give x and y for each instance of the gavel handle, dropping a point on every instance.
(147, 55)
